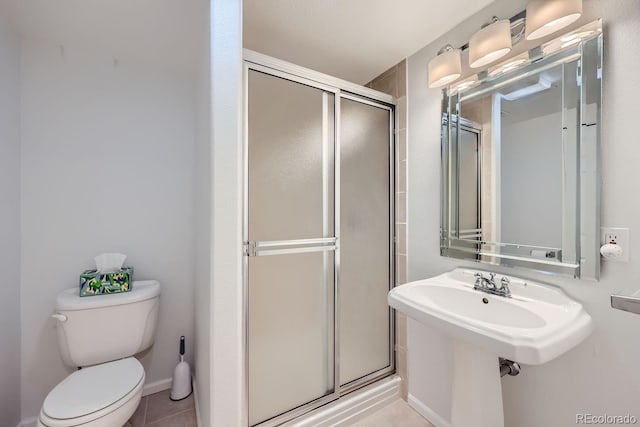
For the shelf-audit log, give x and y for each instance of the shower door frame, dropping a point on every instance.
(253, 61)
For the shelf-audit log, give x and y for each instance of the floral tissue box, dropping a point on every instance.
(93, 282)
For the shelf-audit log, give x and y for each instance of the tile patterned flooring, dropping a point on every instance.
(396, 414)
(157, 410)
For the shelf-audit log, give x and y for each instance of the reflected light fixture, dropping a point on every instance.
(542, 85)
(501, 69)
(545, 17)
(491, 43)
(445, 68)
(580, 35)
(463, 85)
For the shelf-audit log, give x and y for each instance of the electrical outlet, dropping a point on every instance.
(618, 236)
(611, 237)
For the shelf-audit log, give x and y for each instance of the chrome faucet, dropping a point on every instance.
(488, 285)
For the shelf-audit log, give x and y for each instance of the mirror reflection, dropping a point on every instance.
(520, 164)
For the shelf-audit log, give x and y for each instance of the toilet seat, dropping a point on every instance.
(104, 394)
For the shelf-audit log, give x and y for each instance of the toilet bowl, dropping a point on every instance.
(105, 395)
(100, 334)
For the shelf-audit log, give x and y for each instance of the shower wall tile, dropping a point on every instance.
(401, 331)
(401, 270)
(401, 79)
(401, 208)
(387, 82)
(394, 82)
(401, 359)
(401, 176)
(401, 113)
(401, 233)
(401, 144)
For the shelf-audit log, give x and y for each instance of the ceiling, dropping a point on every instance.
(352, 39)
(167, 32)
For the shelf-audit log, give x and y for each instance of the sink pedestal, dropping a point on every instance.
(477, 389)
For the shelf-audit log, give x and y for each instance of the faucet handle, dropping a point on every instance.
(504, 286)
(504, 283)
(479, 280)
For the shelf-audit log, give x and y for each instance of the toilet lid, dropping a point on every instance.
(92, 389)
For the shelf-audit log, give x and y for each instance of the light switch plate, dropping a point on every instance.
(618, 235)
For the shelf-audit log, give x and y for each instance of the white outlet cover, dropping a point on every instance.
(621, 236)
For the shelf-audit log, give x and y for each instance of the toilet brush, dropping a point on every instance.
(181, 385)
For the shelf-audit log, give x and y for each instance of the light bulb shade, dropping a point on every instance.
(445, 68)
(545, 17)
(490, 44)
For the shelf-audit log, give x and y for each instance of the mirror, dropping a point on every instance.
(520, 159)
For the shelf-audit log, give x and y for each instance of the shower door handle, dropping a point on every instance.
(265, 252)
(283, 247)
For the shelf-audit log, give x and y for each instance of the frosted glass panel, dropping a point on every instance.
(290, 332)
(468, 184)
(291, 233)
(364, 240)
(291, 151)
(291, 196)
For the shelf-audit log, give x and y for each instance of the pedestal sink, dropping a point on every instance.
(535, 325)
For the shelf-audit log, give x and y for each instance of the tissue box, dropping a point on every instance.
(94, 283)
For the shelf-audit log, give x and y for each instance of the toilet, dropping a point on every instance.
(99, 335)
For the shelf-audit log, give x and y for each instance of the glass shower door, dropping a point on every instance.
(291, 246)
(366, 268)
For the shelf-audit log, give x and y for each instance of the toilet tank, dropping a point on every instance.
(98, 329)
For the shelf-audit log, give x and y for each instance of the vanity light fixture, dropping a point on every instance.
(545, 17)
(496, 39)
(445, 68)
(491, 43)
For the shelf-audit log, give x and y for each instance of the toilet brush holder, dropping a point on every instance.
(181, 385)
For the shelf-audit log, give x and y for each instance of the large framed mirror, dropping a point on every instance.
(520, 159)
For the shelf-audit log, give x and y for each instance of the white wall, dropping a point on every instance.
(9, 226)
(203, 238)
(108, 154)
(600, 375)
(228, 407)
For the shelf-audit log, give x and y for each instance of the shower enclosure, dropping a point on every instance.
(318, 238)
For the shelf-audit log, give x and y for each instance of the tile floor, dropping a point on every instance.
(157, 410)
(396, 414)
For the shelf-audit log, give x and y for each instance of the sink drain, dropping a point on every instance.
(485, 300)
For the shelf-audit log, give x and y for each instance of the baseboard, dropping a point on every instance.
(29, 422)
(352, 407)
(156, 386)
(196, 400)
(427, 412)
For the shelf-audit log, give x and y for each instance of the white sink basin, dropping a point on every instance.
(537, 324)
